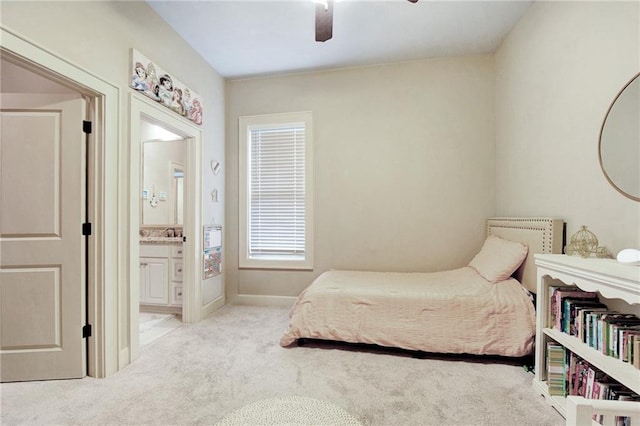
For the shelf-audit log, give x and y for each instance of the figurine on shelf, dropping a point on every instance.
(585, 243)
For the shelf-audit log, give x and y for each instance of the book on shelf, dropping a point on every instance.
(626, 340)
(591, 377)
(599, 391)
(556, 371)
(554, 318)
(591, 326)
(571, 374)
(573, 308)
(581, 319)
(558, 294)
(580, 376)
(581, 314)
(583, 379)
(604, 329)
(616, 330)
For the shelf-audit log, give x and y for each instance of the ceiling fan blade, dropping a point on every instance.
(324, 21)
(413, 1)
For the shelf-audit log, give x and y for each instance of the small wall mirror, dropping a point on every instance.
(619, 144)
(177, 170)
(162, 177)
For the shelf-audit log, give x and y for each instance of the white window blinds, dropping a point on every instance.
(276, 192)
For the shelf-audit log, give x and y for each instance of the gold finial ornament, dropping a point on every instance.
(585, 243)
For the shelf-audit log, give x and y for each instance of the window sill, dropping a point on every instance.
(294, 265)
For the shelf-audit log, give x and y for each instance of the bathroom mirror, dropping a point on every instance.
(162, 179)
(619, 144)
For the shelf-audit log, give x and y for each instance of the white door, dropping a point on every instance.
(42, 256)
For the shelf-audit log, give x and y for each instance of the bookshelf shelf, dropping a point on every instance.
(605, 276)
(620, 371)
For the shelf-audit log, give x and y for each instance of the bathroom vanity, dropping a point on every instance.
(161, 271)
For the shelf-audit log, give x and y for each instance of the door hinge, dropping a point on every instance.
(86, 228)
(184, 239)
(86, 127)
(86, 331)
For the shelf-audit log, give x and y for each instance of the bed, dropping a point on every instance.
(484, 308)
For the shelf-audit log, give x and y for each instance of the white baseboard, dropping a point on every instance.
(212, 306)
(258, 300)
(159, 309)
(124, 358)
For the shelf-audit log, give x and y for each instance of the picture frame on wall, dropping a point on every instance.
(153, 82)
(211, 251)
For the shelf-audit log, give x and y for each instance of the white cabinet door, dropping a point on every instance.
(176, 294)
(176, 270)
(154, 282)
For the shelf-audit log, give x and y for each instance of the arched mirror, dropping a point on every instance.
(619, 144)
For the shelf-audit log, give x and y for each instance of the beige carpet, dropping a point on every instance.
(202, 373)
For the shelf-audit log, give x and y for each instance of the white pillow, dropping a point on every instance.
(498, 258)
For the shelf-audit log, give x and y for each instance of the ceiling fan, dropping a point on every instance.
(324, 19)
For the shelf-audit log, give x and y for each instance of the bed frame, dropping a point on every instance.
(540, 234)
(403, 311)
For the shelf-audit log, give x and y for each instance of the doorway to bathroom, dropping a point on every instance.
(165, 205)
(161, 230)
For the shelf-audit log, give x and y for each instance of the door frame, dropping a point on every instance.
(106, 251)
(142, 107)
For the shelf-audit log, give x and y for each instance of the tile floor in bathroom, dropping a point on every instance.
(153, 326)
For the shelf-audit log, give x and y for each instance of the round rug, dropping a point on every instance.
(289, 410)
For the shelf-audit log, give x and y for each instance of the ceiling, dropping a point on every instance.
(241, 38)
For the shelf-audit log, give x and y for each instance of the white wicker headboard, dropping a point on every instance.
(540, 234)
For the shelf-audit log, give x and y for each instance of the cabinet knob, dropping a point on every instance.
(179, 269)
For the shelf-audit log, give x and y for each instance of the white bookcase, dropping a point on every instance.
(606, 276)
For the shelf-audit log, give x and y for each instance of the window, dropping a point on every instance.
(276, 191)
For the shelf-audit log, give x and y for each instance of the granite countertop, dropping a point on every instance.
(161, 240)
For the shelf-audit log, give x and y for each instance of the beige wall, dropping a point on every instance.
(97, 36)
(556, 75)
(404, 166)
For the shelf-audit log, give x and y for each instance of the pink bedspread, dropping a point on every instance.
(454, 311)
